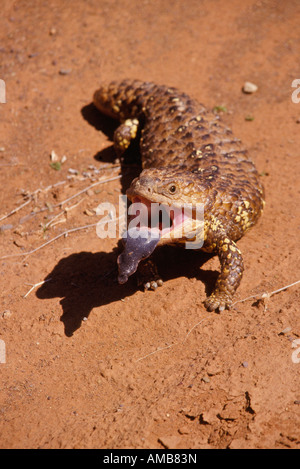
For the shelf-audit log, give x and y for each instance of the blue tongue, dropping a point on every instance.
(139, 244)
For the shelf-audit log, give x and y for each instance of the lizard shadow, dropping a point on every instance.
(86, 280)
(131, 159)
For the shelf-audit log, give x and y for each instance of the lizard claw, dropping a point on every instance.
(153, 285)
(217, 301)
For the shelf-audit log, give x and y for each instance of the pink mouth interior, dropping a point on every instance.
(175, 216)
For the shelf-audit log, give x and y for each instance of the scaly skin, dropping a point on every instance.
(189, 156)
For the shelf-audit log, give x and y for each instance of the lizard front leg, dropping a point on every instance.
(232, 267)
(124, 134)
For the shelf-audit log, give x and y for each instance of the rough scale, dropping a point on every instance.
(188, 157)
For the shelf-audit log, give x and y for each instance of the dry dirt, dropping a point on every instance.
(89, 363)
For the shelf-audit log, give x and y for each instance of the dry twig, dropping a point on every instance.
(266, 295)
(15, 210)
(32, 195)
(65, 233)
(172, 345)
(35, 285)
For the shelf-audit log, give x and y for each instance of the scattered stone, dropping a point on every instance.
(89, 212)
(245, 364)
(6, 313)
(72, 171)
(18, 244)
(65, 71)
(52, 31)
(63, 159)
(249, 87)
(53, 156)
(285, 331)
(205, 379)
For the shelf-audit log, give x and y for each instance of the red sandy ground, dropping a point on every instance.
(89, 363)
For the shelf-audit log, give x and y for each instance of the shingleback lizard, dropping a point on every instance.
(188, 157)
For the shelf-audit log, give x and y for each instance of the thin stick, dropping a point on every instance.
(172, 345)
(52, 186)
(155, 351)
(87, 188)
(16, 209)
(192, 329)
(280, 289)
(36, 285)
(266, 295)
(54, 218)
(65, 233)
(30, 198)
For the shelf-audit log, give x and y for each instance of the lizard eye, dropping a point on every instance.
(172, 188)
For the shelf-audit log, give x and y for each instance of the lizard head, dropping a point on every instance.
(168, 201)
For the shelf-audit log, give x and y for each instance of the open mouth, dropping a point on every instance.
(150, 224)
(168, 220)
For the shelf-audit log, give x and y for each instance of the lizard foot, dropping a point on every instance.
(148, 276)
(218, 301)
(153, 284)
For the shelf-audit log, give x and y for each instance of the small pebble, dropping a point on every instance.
(285, 331)
(245, 364)
(249, 87)
(89, 212)
(65, 71)
(6, 313)
(72, 171)
(52, 31)
(53, 156)
(205, 379)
